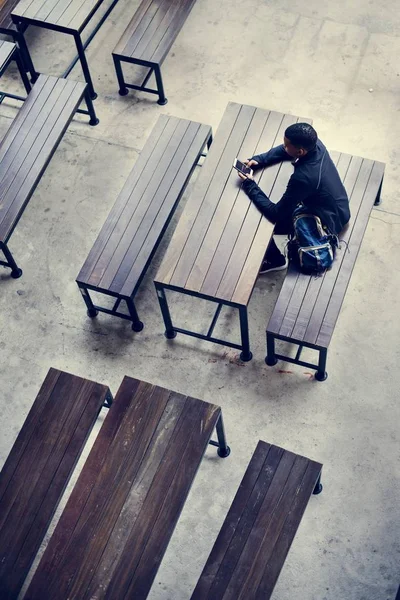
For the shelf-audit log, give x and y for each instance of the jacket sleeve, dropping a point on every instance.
(296, 192)
(273, 156)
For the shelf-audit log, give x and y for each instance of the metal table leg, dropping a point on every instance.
(245, 355)
(169, 329)
(85, 66)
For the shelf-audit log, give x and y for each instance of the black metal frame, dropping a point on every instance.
(223, 448)
(378, 200)
(16, 272)
(22, 23)
(171, 330)
(18, 38)
(137, 325)
(272, 358)
(318, 486)
(153, 68)
(15, 55)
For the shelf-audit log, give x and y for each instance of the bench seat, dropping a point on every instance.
(28, 147)
(121, 514)
(130, 236)
(257, 533)
(308, 307)
(148, 39)
(39, 467)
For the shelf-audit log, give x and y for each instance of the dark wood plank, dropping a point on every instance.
(349, 258)
(121, 514)
(161, 20)
(116, 271)
(168, 207)
(198, 194)
(294, 276)
(39, 467)
(6, 8)
(119, 206)
(304, 282)
(6, 50)
(211, 200)
(329, 282)
(231, 196)
(257, 533)
(232, 521)
(273, 566)
(172, 32)
(238, 258)
(40, 153)
(137, 27)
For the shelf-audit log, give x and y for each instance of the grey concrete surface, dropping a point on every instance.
(309, 58)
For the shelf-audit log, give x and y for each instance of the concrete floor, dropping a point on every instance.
(337, 63)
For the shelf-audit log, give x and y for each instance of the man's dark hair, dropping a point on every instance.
(302, 135)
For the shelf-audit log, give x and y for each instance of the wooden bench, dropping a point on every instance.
(256, 536)
(148, 39)
(39, 467)
(115, 528)
(8, 53)
(28, 147)
(308, 307)
(130, 236)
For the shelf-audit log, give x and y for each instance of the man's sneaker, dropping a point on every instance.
(280, 264)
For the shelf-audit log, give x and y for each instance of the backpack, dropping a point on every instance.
(311, 247)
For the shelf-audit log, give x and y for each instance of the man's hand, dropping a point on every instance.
(250, 163)
(244, 177)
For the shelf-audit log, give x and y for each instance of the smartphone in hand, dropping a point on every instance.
(242, 168)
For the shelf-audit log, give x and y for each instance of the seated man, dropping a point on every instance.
(315, 183)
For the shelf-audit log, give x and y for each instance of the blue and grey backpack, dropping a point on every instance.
(311, 247)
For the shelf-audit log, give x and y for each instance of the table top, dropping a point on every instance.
(115, 528)
(220, 241)
(70, 14)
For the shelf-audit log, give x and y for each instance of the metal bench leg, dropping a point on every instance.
(270, 359)
(85, 66)
(169, 329)
(318, 486)
(92, 312)
(22, 72)
(92, 113)
(223, 448)
(209, 141)
(123, 90)
(161, 96)
(378, 196)
(26, 57)
(16, 272)
(109, 400)
(137, 325)
(245, 355)
(321, 374)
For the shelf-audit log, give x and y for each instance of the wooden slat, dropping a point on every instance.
(70, 14)
(211, 200)
(294, 276)
(172, 32)
(6, 50)
(39, 467)
(22, 178)
(349, 258)
(116, 271)
(255, 538)
(243, 222)
(198, 194)
(304, 282)
(137, 26)
(328, 284)
(120, 516)
(6, 7)
(119, 206)
(166, 211)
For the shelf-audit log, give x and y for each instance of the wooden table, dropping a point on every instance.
(65, 16)
(221, 238)
(112, 535)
